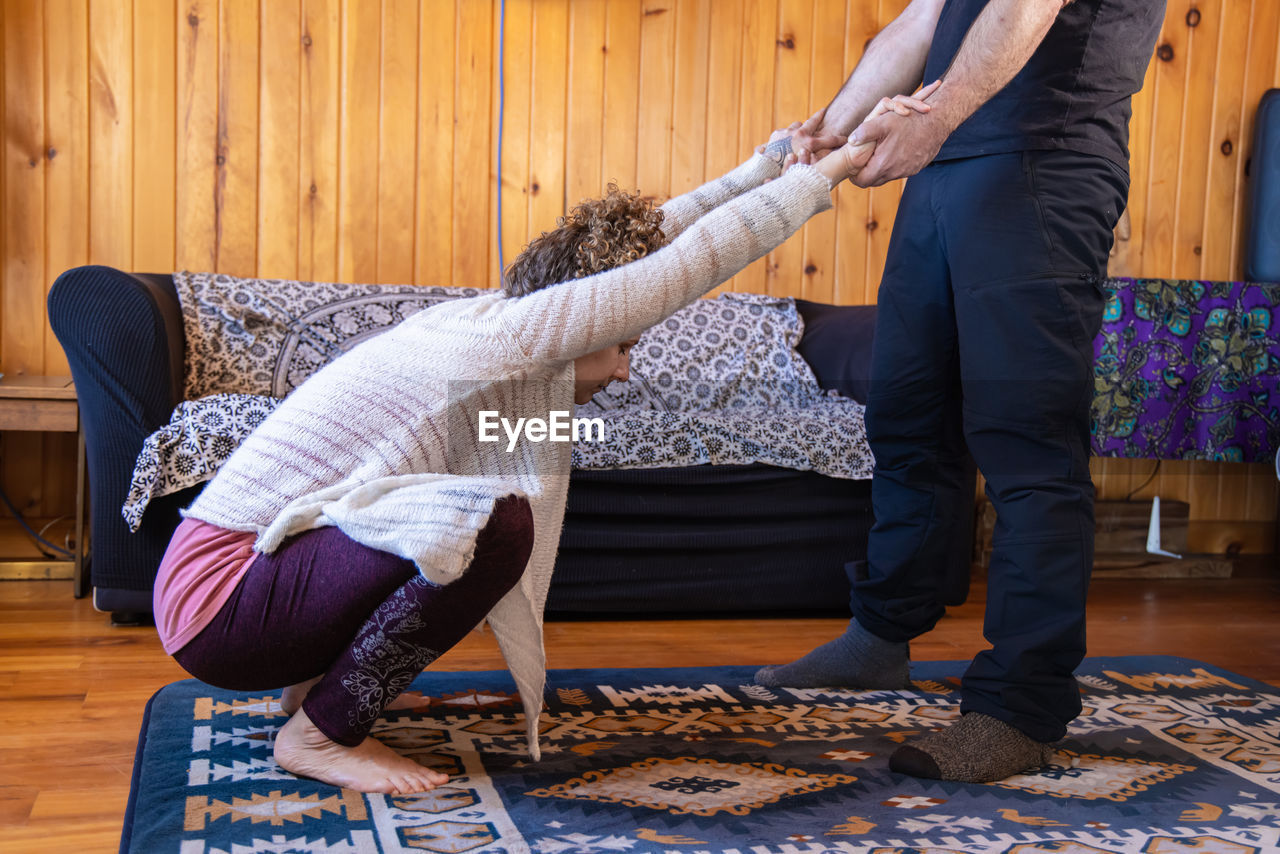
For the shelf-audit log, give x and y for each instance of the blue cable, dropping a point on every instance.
(502, 99)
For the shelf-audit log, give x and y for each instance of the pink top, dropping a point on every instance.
(200, 571)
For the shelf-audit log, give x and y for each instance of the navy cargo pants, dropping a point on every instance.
(991, 298)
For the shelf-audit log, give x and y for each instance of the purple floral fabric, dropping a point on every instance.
(1187, 370)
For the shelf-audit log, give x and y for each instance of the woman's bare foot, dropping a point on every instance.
(291, 697)
(370, 766)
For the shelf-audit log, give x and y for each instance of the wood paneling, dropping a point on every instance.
(318, 140)
(584, 131)
(656, 96)
(433, 244)
(517, 110)
(471, 215)
(622, 72)
(358, 164)
(66, 225)
(397, 140)
(111, 133)
(760, 59)
(791, 84)
(278, 141)
(238, 129)
(826, 74)
(197, 194)
(724, 94)
(24, 232)
(689, 104)
(357, 140)
(548, 74)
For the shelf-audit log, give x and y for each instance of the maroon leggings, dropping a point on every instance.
(366, 619)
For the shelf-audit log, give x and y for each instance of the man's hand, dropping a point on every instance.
(811, 142)
(903, 145)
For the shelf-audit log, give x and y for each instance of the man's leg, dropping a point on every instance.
(1028, 237)
(922, 469)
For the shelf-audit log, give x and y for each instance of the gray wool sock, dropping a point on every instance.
(975, 749)
(856, 659)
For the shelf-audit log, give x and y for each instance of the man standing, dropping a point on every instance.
(991, 298)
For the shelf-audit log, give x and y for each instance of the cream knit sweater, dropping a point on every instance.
(384, 441)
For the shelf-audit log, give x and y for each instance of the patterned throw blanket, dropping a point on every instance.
(720, 382)
(1188, 370)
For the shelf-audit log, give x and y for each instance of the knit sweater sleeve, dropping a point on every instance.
(683, 211)
(571, 319)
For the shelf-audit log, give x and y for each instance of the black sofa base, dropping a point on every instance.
(707, 539)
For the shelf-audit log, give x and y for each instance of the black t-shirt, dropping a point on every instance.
(1072, 94)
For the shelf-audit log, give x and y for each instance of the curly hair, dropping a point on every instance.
(597, 235)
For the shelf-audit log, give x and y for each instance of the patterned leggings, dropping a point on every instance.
(366, 619)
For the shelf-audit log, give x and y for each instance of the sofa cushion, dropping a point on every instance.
(837, 345)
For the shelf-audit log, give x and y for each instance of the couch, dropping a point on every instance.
(686, 539)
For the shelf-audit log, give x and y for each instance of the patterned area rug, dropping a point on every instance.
(1170, 755)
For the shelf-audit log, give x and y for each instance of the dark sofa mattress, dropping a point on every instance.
(706, 539)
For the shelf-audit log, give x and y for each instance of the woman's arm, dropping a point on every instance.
(571, 319)
(683, 211)
(769, 161)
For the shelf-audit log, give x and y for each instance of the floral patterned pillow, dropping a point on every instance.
(734, 351)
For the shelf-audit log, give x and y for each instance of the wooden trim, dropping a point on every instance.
(36, 570)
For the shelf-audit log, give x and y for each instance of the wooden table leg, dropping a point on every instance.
(80, 584)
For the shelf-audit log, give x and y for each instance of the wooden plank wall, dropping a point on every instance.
(357, 140)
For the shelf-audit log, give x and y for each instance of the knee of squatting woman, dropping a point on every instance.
(365, 527)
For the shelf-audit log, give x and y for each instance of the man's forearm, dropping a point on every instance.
(996, 48)
(892, 65)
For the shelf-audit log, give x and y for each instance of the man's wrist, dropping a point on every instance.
(840, 124)
(946, 111)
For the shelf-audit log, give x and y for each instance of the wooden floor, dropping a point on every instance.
(72, 688)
